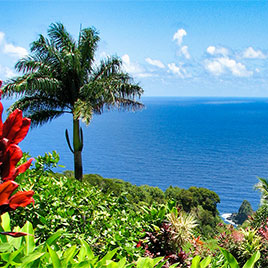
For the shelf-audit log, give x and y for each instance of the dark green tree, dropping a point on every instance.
(59, 76)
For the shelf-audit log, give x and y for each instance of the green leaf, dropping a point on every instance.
(5, 247)
(69, 255)
(174, 265)
(29, 239)
(107, 257)
(5, 222)
(14, 254)
(205, 262)
(54, 237)
(54, 258)
(32, 257)
(85, 252)
(230, 258)
(196, 262)
(148, 262)
(253, 259)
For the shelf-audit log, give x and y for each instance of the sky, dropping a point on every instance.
(171, 48)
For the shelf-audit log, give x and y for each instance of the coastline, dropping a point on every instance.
(226, 216)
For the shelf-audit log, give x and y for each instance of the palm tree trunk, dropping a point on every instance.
(78, 170)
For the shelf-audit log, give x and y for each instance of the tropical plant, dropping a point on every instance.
(12, 132)
(231, 262)
(59, 76)
(262, 186)
(182, 225)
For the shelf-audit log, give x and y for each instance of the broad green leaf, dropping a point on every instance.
(16, 241)
(5, 247)
(85, 252)
(54, 258)
(230, 258)
(31, 257)
(174, 265)
(107, 257)
(5, 222)
(143, 262)
(29, 239)
(205, 262)
(13, 255)
(54, 237)
(196, 262)
(253, 259)
(148, 262)
(69, 255)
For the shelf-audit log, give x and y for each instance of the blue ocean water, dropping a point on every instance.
(217, 143)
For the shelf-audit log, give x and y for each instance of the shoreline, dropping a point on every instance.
(225, 217)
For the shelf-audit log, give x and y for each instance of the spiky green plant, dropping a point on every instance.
(182, 224)
(59, 76)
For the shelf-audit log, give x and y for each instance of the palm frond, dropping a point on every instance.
(41, 46)
(61, 39)
(39, 118)
(262, 186)
(108, 67)
(87, 45)
(35, 103)
(31, 83)
(83, 110)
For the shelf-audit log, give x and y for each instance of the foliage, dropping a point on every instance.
(25, 252)
(182, 225)
(262, 186)
(12, 132)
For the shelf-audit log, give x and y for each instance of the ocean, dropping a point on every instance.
(217, 143)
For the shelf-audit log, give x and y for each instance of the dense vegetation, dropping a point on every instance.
(128, 222)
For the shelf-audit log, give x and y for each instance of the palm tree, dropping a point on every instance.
(59, 76)
(262, 186)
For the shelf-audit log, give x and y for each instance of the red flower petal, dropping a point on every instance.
(12, 125)
(21, 169)
(6, 189)
(20, 135)
(15, 234)
(21, 199)
(10, 160)
(1, 123)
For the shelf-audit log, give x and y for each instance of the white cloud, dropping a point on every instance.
(184, 51)
(6, 72)
(156, 63)
(214, 67)
(179, 36)
(10, 49)
(15, 51)
(2, 35)
(133, 68)
(177, 70)
(221, 65)
(250, 53)
(217, 51)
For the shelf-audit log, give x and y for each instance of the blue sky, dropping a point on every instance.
(172, 48)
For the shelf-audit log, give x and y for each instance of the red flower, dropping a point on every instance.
(15, 127)
(10, 159)
(6, 189)
(20, 199)
(12, 132)
(139, 244)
